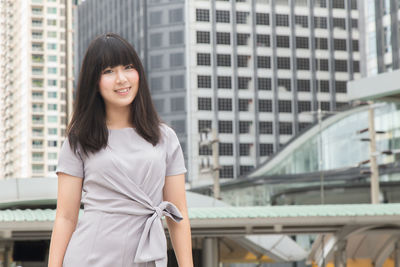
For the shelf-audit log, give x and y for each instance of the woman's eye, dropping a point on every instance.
(106, 71)
(129, 66)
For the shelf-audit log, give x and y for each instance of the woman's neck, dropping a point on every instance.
(118, 117)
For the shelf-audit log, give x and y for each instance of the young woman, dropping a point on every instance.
(124, 165)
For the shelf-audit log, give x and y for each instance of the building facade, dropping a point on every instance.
(34, 81)
(255, 70)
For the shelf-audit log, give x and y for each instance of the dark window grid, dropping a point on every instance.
(224, 104)
(263, 62)
(243, 61)
(265, 127)
(225, 149)
(203, 59)
(264, 84)
(264, 105)
(263, 40)
(303, 85)
(302, 42)
(244, 169)
(354, 23)
(322, 64)
(262, 18)
(223, 38)
(204, 103)
(202, 15)
(323, 86)
(285, 106)
(321, 43)
(339, 44)
(244, 104)
(341, 65)
(225, 126)
(223, 16)
(341, 86)
(303, 106)
(303, 63)
(356, 66)
(301, 20)
(203, 37)
(338, 4)
(282, 20)
(339, 23)
(266, 149)
(205, 151)
(243, 82)
(325, 106)
(244, 149)
(285, 84)
(285, 128)
(282, 41)
(355, 46)
(241, 17)
(320, 22)
(224, 82)
(204, 81)
(242, 38)
(204, 124)
(284, 63)
(244, 127)
(223, 60)
(226, 171)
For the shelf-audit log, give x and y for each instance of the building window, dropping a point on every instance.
(203, 59)
(204, 124)
(285, 106)
(340, 65)
(325, 106)
(203, 37)
(264, 105)
(339, 23)
(263, 40)
(176, 60)
(262, 19)
(303, 85)
(244, 104)
(263, 62)
(321, 43)
(341, 86)
(303, 63)
(204, 103)
(243, 60)
(284, 63)
(226, 171)
(204, 81)
(244, 127)
(320, 22)
(338, 4)
(265, 127)
(51, 106)
(323, 86)
(244, 149)
(176, 37)
(223, 16)
(225, 127)
(225, 149)
(202, 15)
(242, 38)
(52, 143)
(177, 81)
(264, 84)
(176, 15)
(224, 82)
(301, 20)
(223, 38)
(285, 128)
(303, 106)
(52, 94)
(282, 41)
(339, 44)
(322, 64)
(244, 169)
(285, 84)
(156, 62)
(302, 42)
(354, 23)
(223, 60)
(52, 82)
(205, 151)
(282, 20)
(224, 104)
(266, 149)
(178, 104)
(355, 45)
(243, 82)
(156, 40)
(356, 66)
(241, 17)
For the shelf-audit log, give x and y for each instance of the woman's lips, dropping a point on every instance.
(123, 91)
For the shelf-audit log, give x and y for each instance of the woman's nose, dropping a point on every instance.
(120, 77)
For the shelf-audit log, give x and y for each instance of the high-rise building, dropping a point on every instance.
(255, 70)
(379, 36)
(35, 65)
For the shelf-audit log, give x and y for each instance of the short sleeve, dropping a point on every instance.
(69, 162)
(175, 160)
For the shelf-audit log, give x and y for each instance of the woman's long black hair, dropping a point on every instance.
(88, 124)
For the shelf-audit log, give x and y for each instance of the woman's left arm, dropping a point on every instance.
(174, 192)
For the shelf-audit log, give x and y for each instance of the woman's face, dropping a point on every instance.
(119, 85)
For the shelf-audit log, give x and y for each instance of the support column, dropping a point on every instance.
(340, 254)
(210, 251)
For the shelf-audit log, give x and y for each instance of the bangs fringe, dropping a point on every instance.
(114, 52)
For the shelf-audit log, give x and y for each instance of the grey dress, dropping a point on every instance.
(123, 200)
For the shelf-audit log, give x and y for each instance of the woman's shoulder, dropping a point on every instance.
(166, 130)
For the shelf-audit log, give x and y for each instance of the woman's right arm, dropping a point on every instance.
(68, 204)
